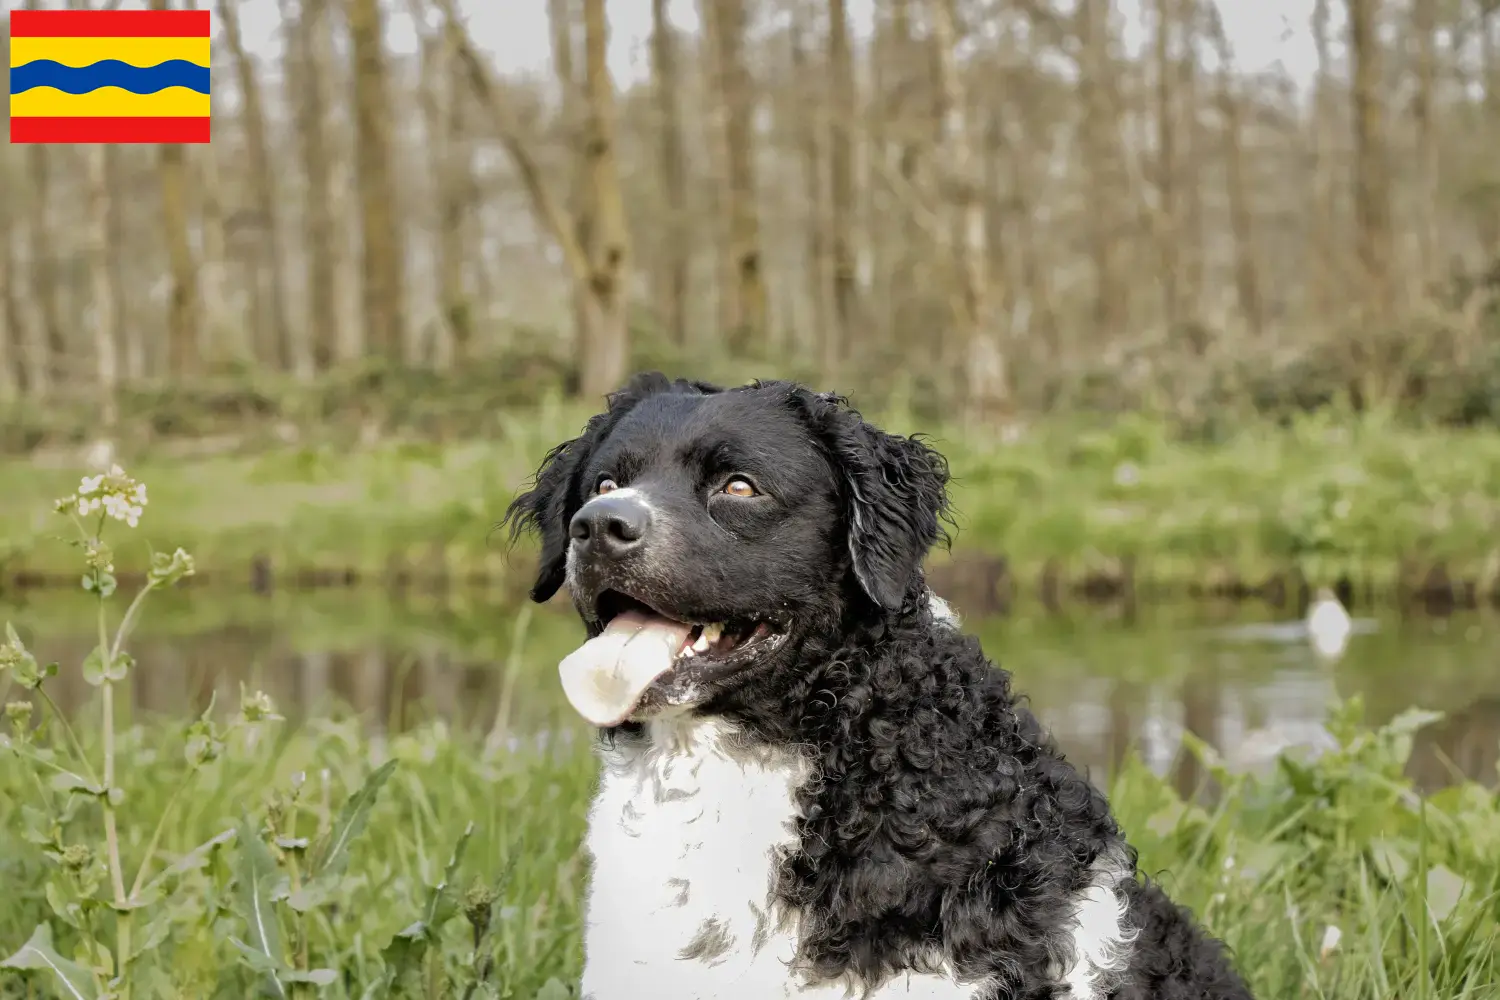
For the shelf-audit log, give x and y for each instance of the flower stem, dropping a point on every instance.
(111, 831)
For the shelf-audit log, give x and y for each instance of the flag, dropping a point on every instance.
(109, 76)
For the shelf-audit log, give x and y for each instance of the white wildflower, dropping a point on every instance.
(1331, 938)
(115, 492)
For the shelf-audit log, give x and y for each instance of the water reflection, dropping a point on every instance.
(1105, 686)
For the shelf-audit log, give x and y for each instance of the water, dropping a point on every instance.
(1104, 684)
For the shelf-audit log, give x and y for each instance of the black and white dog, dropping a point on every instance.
(814, 784)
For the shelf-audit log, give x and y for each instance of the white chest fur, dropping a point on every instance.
(683, 837)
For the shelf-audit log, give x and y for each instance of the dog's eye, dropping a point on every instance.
(605, 485)
(740, 488)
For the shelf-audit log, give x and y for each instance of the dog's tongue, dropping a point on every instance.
(605, 678)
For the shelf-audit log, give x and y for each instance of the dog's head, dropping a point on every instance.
(704, 533)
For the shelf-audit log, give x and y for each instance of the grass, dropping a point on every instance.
(239, 855)
(1320, 493)
(1411, 886)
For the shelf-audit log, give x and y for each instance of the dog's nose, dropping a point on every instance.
(611, 526)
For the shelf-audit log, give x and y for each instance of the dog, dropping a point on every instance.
(814, 784)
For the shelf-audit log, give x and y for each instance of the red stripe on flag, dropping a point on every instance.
(109, 129)
(109, 24)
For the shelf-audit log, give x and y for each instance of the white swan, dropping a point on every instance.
(1328, 625)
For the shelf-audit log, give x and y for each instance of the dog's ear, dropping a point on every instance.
(556, 491)
(895, 497)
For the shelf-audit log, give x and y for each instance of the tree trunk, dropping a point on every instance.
(442, 101)
(818, 271)
(227, 336)
(290, 352)
(1101, 150)
(1241, 223)
(983, 364)
(1190, 251)
(604, 368)
(183, 314)
(1489, 69)
(1168, 233)
(560, 15)
(1326, 276)
(671, 272)
(1424, 28)
(383, 272)
(725, 22)
(106, 299)
(309, 45)
(9, 326)
(1372, 199)
(455, 202)
(839, 338)
(45, 345)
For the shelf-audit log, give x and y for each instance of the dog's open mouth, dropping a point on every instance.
(641, 649)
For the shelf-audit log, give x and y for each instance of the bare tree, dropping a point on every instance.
(309, 46)
(671, 271)
(44, 345)
(1167, 231)
(1247, 267)
(1424, 36)
(725, 23)
(839, 337)
(983, 358)
(602, 271)
(9, 383)
(1372, 199)
(271, 260)
(1102, 152)
(609, 255)
(383, 274)
(106, 297)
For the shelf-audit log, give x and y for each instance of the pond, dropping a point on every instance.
(1104, 681)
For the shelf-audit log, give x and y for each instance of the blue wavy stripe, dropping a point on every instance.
(109, 73)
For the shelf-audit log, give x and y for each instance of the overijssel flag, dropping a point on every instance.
(109, 76)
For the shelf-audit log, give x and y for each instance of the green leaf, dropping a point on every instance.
(259, 885)
(38, 955)
(197, 858)
(119, 667)
(333, 853)
(94, 667)
(315, 893)
(318, 977)
(1390, 859)
(554, 989)
(1444, 889)
(408, 945)
(67, 910)
(67, 781)
(441, 900)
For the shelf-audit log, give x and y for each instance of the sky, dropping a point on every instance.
(1265, 34)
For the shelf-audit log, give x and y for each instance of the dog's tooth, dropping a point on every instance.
(712, 632)
(702, 644)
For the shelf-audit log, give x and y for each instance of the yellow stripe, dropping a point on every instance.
(109, 102)
(83, 51)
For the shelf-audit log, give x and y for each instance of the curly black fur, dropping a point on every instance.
(941, 824)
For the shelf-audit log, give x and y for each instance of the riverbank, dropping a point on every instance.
(1055, 504)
